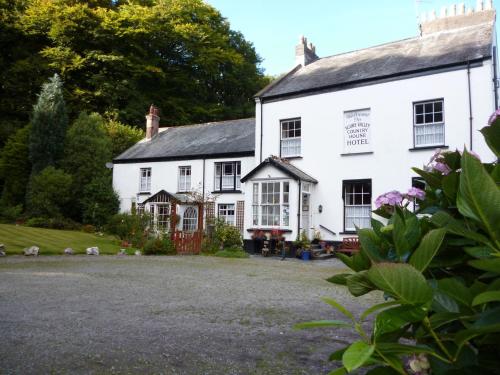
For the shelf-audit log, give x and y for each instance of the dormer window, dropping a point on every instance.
(291, 133)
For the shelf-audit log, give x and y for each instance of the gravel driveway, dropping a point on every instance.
(166, 315)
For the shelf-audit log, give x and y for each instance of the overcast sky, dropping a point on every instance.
(334, 26)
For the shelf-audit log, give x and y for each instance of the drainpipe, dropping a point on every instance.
(261, 135)
(298, 209)
(495, 77)
(201, 207)
(470, 103)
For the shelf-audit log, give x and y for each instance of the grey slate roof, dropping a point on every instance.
(195, 141)
(283, 166)
(440, 49)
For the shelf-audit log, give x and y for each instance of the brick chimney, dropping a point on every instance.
(152, 122)
(456, 16)
(305, 53)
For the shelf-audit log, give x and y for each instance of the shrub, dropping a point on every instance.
(232, 252)
(99, 202)
(129, 227)
(226, 235)
(161, 245)
(88, 228)
(10, 214)
(440, 273)
(209, 246)
(53, 223)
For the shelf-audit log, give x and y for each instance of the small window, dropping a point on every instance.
(291, 133)
(185, 178)
(428, 123)
(145, 180)
(227, 176)
(357, 204)
(226, 212)
(190, 220)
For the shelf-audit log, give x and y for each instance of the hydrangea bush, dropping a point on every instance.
(438, 269)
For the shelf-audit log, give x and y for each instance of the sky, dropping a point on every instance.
(333, 26)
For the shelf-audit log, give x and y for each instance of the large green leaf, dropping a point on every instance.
(433, 179)
(393, 319)
(456, 290)
(322, 324)
(491, 296)
(402, 281)
(479, 197)
(427, 249)
(491, 265)
(339, 371)
(377, 307)
(370, 244)
(358, 284)
(339, 279)
(356, 355)
(406, 232)
(339, 307)
(450, 186)
(396, 348)
(492, 137)
(442, 303)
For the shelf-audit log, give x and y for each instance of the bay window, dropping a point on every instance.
(270, 208)
(357, 196)
(227, 176)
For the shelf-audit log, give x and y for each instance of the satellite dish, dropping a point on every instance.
(109, 165)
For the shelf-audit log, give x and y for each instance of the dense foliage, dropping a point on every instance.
(130, 227)
(159, 245)
(118, 57)
(439, 270)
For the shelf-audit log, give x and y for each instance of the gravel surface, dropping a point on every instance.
(167, 315)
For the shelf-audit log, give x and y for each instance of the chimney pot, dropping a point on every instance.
(461, 9)
(479, 6)
(305, 52)
(443, 12)
(452, 10)
(152, 122)
(488, 5)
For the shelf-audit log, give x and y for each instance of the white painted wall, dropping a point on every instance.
(389, 166)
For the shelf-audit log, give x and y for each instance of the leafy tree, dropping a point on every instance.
(122, 136)
(48, 126)
(87, 149)
(100, 202)
(15, 168)
(50, 193)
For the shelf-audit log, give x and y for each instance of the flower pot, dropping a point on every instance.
(306, 255)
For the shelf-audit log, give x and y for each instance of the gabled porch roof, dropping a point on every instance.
(285, 167)
(164, 196)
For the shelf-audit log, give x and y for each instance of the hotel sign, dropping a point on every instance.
(357, 131)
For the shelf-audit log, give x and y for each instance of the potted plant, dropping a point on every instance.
(303, 246)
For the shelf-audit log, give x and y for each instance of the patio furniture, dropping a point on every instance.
(350, 245)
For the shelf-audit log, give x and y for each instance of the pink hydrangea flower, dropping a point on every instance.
(416, 193)
(441, 167)
(494, 116)
(391, 198)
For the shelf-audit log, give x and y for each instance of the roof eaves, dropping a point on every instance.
(276, 81)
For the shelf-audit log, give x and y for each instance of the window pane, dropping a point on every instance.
(438, 106)
(428, 108)
(438, 117)
(419, 109)
(419, 119)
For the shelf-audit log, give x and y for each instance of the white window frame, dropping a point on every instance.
(358, 214)
(190, 219)
(227, 211)
(145, 180)
(184, 178)
(221, 178)
(271, 206)
(428, 123)
(291, 139)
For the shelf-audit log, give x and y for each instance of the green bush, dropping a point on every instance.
(439, 272)
(53, 223)
(129, 227)
(232, 252)
(161, 245)
(10, 214)
(209, 246)
(226, 235)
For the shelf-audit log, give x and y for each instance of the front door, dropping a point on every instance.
(305, 217)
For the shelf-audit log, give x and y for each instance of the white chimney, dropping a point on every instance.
(305, 53)
(152, 122)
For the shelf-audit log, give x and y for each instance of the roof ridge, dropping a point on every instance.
(208, 123)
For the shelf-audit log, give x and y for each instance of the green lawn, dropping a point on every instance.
(52, 241)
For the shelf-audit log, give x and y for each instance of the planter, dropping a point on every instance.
(306, 255)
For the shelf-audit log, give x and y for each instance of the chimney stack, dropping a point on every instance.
(305, 53)
(152, 122)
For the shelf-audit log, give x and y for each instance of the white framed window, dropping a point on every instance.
(270, 208)
(428, 123)
(226, 212)
(190, 219)
(357, 204)
(227, 176)
(184, 178)
(145, 180)
(291, 133)
(163, 217)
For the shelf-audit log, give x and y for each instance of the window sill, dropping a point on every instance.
(226, 192)
(183, 192)
(428, 148)
(291, 157)
(269, 229)
(144, 193)
(348, 232)
(357, 153)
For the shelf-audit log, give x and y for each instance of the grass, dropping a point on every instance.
(228, 253)
(53, 241)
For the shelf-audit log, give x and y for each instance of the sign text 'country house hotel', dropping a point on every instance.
(327, 138)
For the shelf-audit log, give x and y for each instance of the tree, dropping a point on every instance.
(48, 126)
(15, 168)
(122, 136)
(50, 193)
(100, 202)
(87, 150)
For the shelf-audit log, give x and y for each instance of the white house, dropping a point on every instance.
(336, 132)
(165, 173)
(329, 136)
